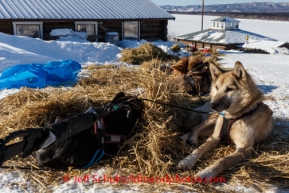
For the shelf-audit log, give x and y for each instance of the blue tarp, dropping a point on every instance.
(40, 75)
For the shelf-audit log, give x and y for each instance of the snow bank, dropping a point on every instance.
(69, 35)
(23, 50)
(269, 46)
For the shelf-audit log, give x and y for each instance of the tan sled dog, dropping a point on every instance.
(244, 120)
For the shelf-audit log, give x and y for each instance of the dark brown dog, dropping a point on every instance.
(191, 74)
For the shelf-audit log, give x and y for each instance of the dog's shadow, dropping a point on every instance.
(267, 88)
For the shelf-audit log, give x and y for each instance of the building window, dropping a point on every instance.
(217, 24)
(30, 29)
(89, 27)
(213, 24)
(131, 30)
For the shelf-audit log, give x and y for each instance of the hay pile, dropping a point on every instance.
(154, 150)
(213, 57)
(176, 48)
(144, 52)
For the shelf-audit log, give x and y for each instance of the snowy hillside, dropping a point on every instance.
(253, 7)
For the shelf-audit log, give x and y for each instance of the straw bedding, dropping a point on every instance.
(154, 150)
(144, 52)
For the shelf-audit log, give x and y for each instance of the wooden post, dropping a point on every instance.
(202, 14)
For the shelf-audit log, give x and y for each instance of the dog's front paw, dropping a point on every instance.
(188, 162)
(193, 141)
(190, 139)
(206, 175)
(184, 138)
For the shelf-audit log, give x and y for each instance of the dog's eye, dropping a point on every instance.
(217, 87)
(228, 89)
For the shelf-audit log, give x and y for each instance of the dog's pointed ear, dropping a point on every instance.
(182, 65)
(215, 71)
(239, 71)
(179, 68)
(194, 61)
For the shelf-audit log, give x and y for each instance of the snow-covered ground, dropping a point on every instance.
(24, 50)
(269, 71)
(184, 24)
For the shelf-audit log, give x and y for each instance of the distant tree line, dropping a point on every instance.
(284, 16)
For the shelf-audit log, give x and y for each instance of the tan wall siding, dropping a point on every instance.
(218, 47)
(185, 42)
(200, 45)
(208, 45)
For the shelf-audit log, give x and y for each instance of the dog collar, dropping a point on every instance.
(191, 82)
(227, 124)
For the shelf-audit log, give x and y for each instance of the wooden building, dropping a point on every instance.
(134, 20)
(224, 34)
